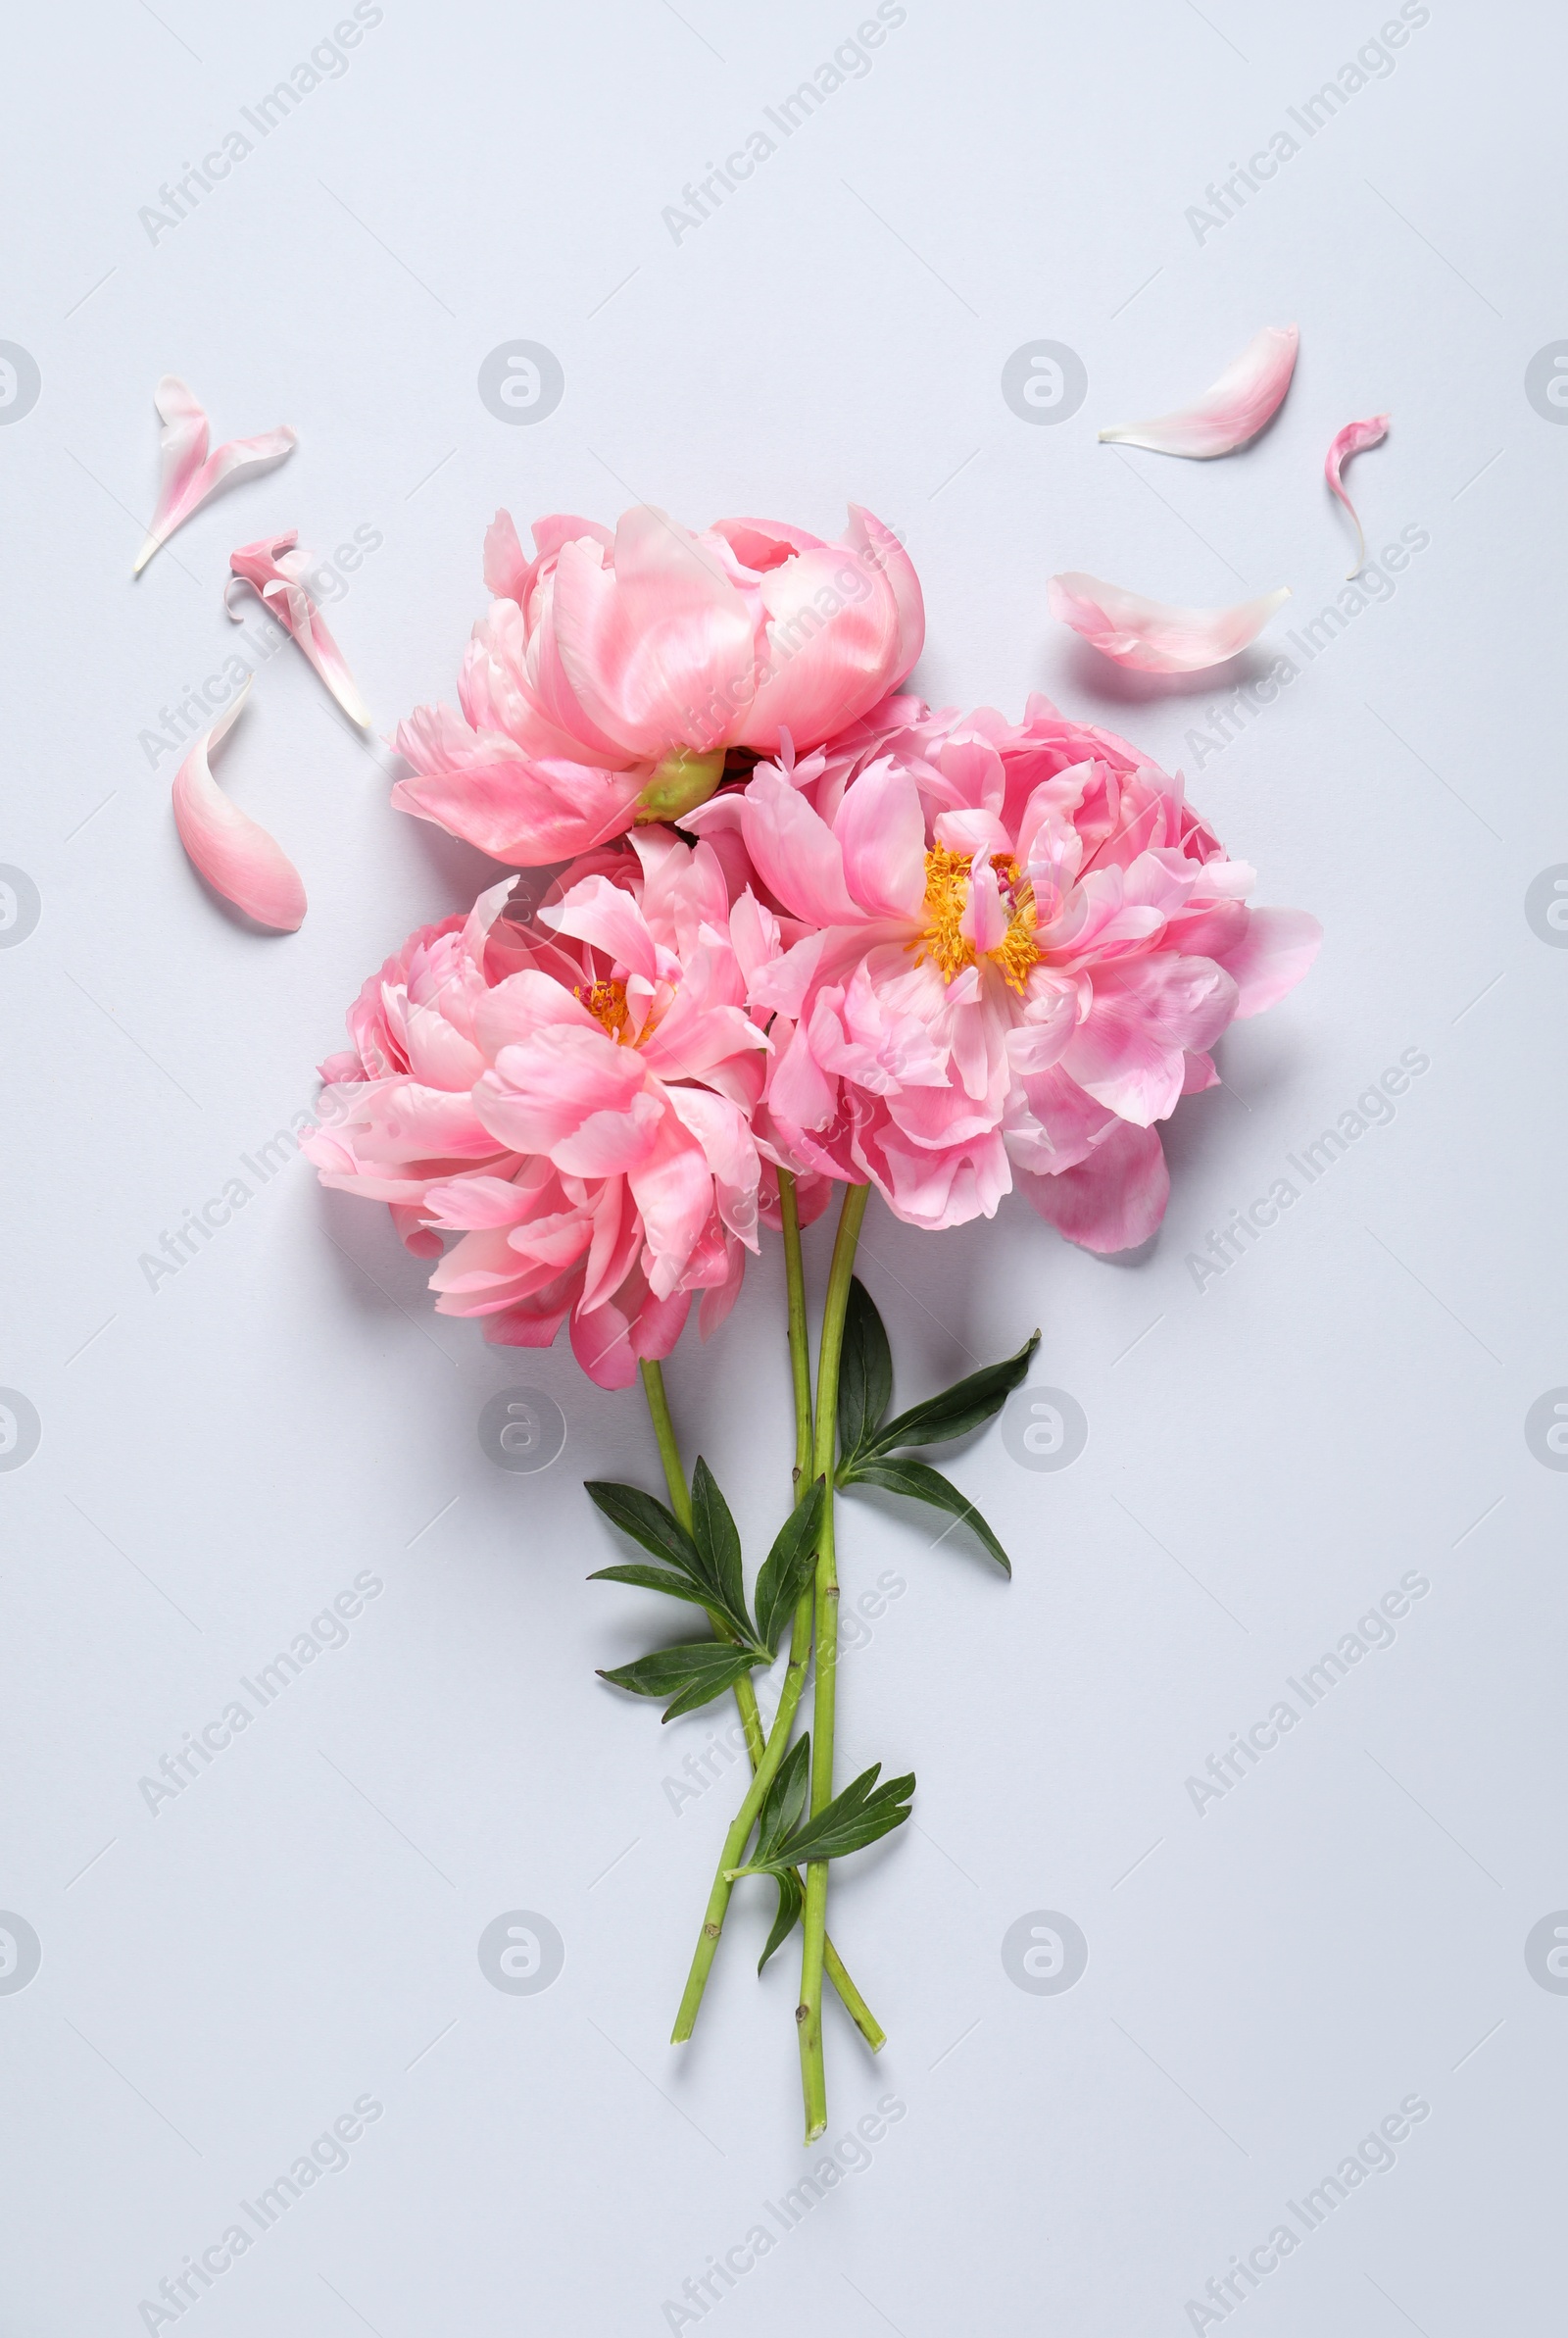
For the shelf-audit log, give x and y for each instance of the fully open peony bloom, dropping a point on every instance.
(572, 1098)
(1021, 944)
(612, 675)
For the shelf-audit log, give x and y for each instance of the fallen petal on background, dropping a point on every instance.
(278, 573)
(1354, 439)
(237, 857)
(190, 472)
(1157, 636)
(1234, 410)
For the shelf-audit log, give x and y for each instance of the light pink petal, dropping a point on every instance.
(1157, 636)
(605, 915)
(277, 571)
(795, 851)
(845, 622)
(507, 567)
(1113, 1200)
(1275, 950)
(881, 832)
(237, 857)
(1354, 439)
(189, 473)
(657, 647)
(481, 786)
(1234, 410)
(1128, 1052)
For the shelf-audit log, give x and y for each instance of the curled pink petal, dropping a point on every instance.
(277, 571)
(1234, 410)
(1354, 439)
(191, 474)
(237, 857)
(1157, 636)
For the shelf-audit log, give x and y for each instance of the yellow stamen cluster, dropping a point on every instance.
(947, 894)
(606, 1004)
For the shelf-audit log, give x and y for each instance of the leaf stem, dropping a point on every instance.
(809, 2012)
(766, 1763)
(865, 2022)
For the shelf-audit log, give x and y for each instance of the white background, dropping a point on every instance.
(219, 1457)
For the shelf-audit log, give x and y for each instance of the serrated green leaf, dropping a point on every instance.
(718, 1546)
(922, 1483)
(692, 1674)
(791, 1901)
(866, 1372)
(958, 1408)
(787, 1568)
(647, 1522)
(652, 1578)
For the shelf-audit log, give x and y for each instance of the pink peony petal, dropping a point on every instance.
(1234, 410)
(191, 474)
(1157, 636)
(1354, 439)
(237, 857)
(277, 571)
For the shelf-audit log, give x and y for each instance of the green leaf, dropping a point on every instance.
(922, 1483)
(862, 1814)
(785, 1799)
(647, 1522)
(718, 1546)
(787, 1568)
(958, 1408)
(791, 1900)
(693, 1673)
(713, 1569)
(652, 1578)
(866, 1372)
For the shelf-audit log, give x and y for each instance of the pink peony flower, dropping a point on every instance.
(612, 675)
(573, 1099)
(1020, 944)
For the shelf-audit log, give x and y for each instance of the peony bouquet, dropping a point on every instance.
(797, 934)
